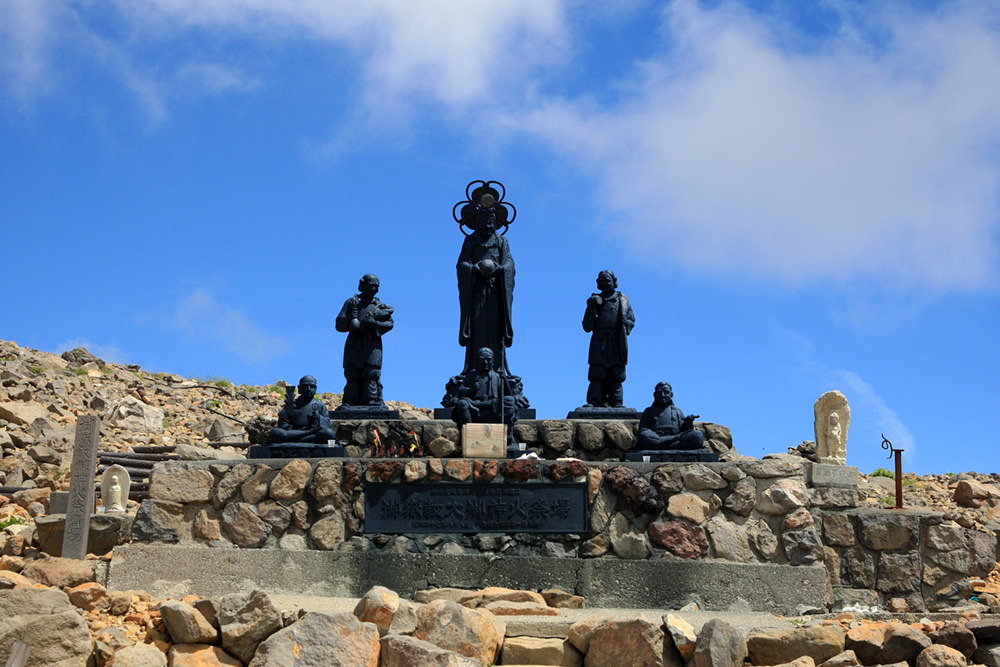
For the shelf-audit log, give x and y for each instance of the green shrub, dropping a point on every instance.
(10, 521)
(79, 370)
(882, 472)
(37, 370)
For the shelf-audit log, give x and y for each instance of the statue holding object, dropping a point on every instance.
(365, 319)
(663, 426)
(303, 419)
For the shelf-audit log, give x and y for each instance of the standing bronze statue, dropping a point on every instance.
(485, 272)
(365, 319)
(609, 319)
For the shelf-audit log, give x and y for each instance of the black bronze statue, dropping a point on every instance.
(485, 291)
(365, 319)
(482, 396)
(303, 419)
(609, 318)
(664, 427)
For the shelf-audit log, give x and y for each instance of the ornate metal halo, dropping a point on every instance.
(464, 212)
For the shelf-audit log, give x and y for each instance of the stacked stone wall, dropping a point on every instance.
(773, 511)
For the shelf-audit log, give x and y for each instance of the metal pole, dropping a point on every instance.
(898, 455)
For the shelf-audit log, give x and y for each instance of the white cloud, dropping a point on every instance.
(25, 37)
(848, 159)
(864, 397)
(200, 315)
(215, 79)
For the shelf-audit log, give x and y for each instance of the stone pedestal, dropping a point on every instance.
(672, 456)
(297, 450)
(584, 412)
(379, 412)
(522, 413)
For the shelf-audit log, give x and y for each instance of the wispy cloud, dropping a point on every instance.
(25, 39)
(202, 316)
(848, 157)
(888, 422)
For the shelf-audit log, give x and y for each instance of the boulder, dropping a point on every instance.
(290, 482)
(866, 641)
(783, 497)
(321, 639)
(539, 651)
(90, 596)
(19, 412)
(683, 635)
(957, 636)
(199, 655)
(132, 414)
(968, 492)
(688, 506)
(471, 632)
(719, 645)
(59, 572)
(386, 610)
(242, 525)
(46, 621)
(140, 655)
(245, 620)
(775, 646)
(186, 624)
(903, 643)
(484, 596)
(403, 651)
(181, 483)
(631, 642)
(938, 655)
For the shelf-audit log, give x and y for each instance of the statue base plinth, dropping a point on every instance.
(621, 412)
(363, 412)
(672, 456)
(297, 450)
(445, 413)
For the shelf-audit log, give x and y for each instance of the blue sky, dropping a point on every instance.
(796, 196)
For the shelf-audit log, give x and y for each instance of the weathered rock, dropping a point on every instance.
(957, 636)
(595, 547)
(627, 541)
(844, 659)
(247, 619)
(986, 631)
(938, 655)
(589, 437)
(838, 530)
(403, 651)
(970, 493)
(580, 632)
(762, 539)
(386, 610)
(140, 655)
(679, 538)
(882, 530)
(321, 639)
(775, 646)
(229, 485)
(89, 596)
(866, 641)
(683, 635)
(255, 488)
(181, 483)
(106, 532)
(157, 521)
(719, 645)
(898, 572)
(783, 497)
(557, 434)
(484, 596)
(200, 655)
(290, 482)
(563, 600)
(619, 435)
(46, 621)
(328, 532)
(688, 506)
(903, 643)
(441, 447)
(539, 651)
(458, 470)
(508, 608)
(132, 414)
(668, 481)
(802, 547)
(728, 540)
(186, 624)
(626, 642)
(243, 527)
(18, 412)
(326, 479)
(59, 572)
(275, 515)
(470, 632)
(743, 497)
(698, 477)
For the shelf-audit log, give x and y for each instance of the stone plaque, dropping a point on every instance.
(80, 504)
(484, 441)
(444, 507)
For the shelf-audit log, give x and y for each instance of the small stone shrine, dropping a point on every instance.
(485, 293)
(115, 485)
(365, 319)
(832, 420)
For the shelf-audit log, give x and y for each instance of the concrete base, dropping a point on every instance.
(364, 412)
(604, 582)
(824, 475)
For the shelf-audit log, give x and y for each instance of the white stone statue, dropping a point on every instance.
(832, 420)
(115, 484)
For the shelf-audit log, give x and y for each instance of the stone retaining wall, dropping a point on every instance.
(782, 511)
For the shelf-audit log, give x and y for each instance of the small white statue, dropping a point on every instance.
(832, 420)
(115, 484)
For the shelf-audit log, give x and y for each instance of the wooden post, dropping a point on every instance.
(899, 478)
(80, 504)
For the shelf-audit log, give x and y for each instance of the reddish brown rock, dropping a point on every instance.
(458, 469)
(957, 636)
(378, 606)
(484, 596)
(352, 475)
(566, 470)
(403, 651)
(508, 608)
(539, 651)
(90, 596)
(519, 469)
(200, 655)
(970, 493)
(563, 600)
(485, 471)
(679, 538)
(775, 646)
(382, 471)
(186, 624)
(938, 655)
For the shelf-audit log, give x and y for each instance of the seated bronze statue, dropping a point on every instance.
(663, 426)
(303, 419)
(482, 395)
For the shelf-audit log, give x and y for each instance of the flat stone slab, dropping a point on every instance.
(175, 571)
(621, 413)
(522, 413)
(291, 450)
(826, 475)
(674, 456)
